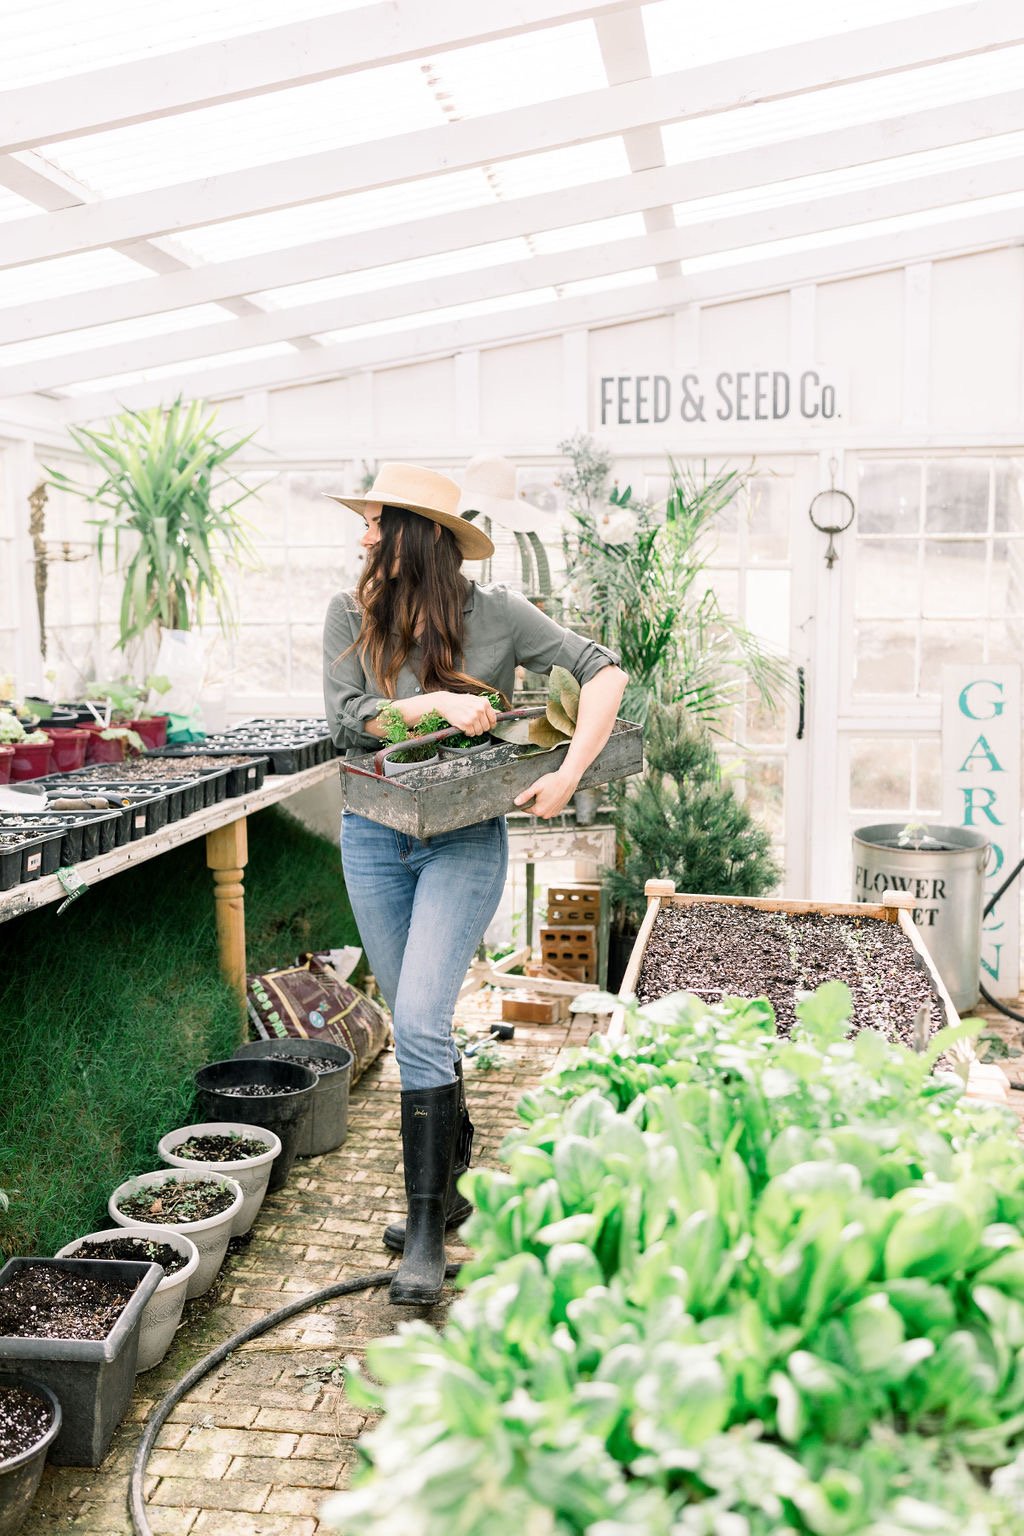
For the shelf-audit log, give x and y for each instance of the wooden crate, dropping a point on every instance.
(896, 909)
(574, 904)
(569, 945)
(531, 1008)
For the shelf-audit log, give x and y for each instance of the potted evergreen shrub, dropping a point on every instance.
(29, 1424)
(395, 730)
(177, 1256)
(202, 1205)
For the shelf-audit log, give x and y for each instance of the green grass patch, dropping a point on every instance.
(110, 1008)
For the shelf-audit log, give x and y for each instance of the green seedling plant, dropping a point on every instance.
(727, 1283)
(396, 729)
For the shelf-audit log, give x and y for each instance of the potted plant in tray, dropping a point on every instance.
(202, 1205)
(126, 707)
(177, 1256)
(30, 758)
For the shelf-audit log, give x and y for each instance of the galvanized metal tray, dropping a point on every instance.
(426, 801)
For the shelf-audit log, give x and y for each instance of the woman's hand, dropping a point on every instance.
(471, 714)
(550, 794)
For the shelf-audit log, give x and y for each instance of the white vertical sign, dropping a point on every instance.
(981, 745)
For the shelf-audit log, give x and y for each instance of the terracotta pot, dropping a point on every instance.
(30, 761)
(100, 751)
(153, 730)
(69, 747)
(6, 759)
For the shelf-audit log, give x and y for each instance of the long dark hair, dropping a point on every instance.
(427, 586)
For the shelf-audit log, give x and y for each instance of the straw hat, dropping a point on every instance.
(428, 494)
(489, 487)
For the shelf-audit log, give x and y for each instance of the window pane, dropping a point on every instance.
(765, 793)
(762, 724)
(884, 657)
(879, 773)
(264, 513)
(1009, 516)
(724, 538)
(314, 576)
(941, 642)
(1006, 640)
(312, 519)
(956, 496)
(887, 579)
(767, 608)
(261, 658)
(1007, 592)
(929, 778)
(954, 577)
(261, 594)
(889, 496)
(307, 651)
(769, 519)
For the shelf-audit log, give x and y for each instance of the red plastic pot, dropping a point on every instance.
(30, 761)
(69, 747)
(153, 730)
(6, 759)
(100, 751)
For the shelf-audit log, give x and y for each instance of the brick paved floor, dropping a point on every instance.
(254, 1448)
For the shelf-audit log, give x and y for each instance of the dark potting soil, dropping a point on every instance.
(24, 1420)
(257, 1090)
(42, 1303)
(140, 1250)
(168, 767)
(318, 1064)
(715, 949)
(220, 1149)
(178, 1200)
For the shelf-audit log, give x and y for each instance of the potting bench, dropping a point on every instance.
(225, 828)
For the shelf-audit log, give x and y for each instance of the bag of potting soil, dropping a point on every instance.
(308, 1001)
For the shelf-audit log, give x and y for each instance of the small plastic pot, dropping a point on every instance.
(326, 1125)
(393, 770)
(251, 1173)
(282, 1111)
(20, 1475)
(162, 1312)
(30, 761)
(69, 747)
(100, 751)
(211, 1235)
(152, 729)
(6, 760)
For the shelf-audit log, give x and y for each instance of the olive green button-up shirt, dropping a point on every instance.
(501, 630)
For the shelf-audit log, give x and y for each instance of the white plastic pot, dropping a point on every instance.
(252, 1173)
(393, 770)
(162, 1312)
(211, 1235)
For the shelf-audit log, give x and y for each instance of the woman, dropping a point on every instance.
(417, 633)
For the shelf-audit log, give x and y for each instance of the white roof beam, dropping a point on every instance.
(801, 68)
(275, 59)
(762, 274)
(723, 233)
(935, 128)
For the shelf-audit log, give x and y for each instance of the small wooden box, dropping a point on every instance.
(530, 1008)
(574, 904)
(568, 945)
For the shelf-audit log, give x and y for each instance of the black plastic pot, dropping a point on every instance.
(20, 1475)
(326, 1126)
(92, 1378)
(620, 947)
(283, 1112)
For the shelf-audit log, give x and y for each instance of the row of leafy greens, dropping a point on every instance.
(728, 1284)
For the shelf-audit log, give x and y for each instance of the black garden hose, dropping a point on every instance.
(156, 1420)
(993, 1002)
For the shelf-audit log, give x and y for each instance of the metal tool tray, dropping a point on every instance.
(460, 792)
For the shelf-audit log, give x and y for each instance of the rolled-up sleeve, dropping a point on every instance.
(346, 700)
(541, 643)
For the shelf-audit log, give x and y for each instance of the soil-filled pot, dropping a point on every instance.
(69, 747)
(6, 759)
(92, 1378)
(284, 1099)
(100, 751)
(152, 729)
(251, 1173)
(162, 1312)
(456, 754)
(211, 1234)
(31, 760)
(20, 1473)
(326, 1125)
(393, 770)
(620, 947)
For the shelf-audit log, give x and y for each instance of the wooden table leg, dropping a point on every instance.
(227, 851)
(529, 903)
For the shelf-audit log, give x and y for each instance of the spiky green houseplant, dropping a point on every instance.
(170, 515)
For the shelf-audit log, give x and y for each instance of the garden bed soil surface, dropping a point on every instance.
(24, 1420)
(178, 1200)
(321, 1065)
(168, 767)
(718, 950)
(259, 1090)
(41, 1303)
(221, 1149)
(138, 1250)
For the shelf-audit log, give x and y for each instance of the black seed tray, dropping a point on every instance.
(282, 758)
(36, 854)
(240, 778)
(121, 814)
(87, 834)
(151, 806)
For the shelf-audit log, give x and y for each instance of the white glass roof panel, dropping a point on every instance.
(608, 283)
(51, 39)
(519, 71)
(597, 232)
(109, 335)
(558, 168)
(67, 274)
(437, 316)
(471, 258)
(680, 38)
(260, 130)
(170, 370)
(14, 207)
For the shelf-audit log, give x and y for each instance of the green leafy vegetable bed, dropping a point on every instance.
(730, 1284)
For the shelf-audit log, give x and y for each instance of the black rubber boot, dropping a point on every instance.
(430, 1123)
(458, 1208)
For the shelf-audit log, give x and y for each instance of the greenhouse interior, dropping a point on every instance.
(574, 448)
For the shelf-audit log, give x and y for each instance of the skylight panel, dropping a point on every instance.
(67, 274)
(608, 283)
(518, 71)
(259, 130)
(680, 38)
(109, 335)
(51, 39)
(557, 169)
(446, 263)
(171, 370)
(14, 207)
(598, 232)
(413, 322)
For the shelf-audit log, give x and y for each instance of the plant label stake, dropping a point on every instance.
(836, 514)
(73, 883)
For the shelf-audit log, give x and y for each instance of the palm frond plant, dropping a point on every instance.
(170, 514)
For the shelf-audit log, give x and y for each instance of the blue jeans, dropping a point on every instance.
(422, 909)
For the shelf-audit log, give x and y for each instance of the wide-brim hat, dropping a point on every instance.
(489, 488)
(428, 494)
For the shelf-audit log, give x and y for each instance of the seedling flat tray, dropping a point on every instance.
(425, 802)
(242, 778)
